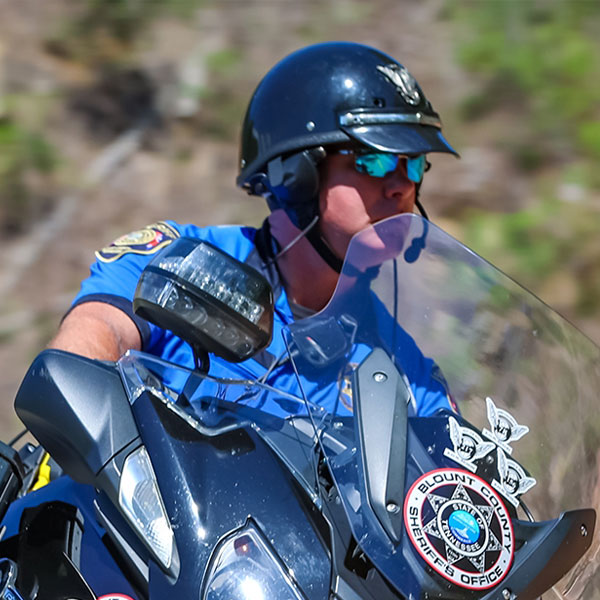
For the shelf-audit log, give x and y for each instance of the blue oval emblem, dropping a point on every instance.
(464, 526)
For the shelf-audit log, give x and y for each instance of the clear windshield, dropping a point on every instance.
(458, 332)
(457, 337)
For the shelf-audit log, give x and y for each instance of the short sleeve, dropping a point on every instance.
(115, 273)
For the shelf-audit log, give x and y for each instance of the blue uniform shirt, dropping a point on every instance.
(114, 277)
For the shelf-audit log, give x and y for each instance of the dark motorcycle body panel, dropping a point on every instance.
(96, 565)
(78, 407)
(217, 484)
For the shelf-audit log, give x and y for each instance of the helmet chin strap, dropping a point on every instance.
(418, 201)
(314, 236)
(324, 251)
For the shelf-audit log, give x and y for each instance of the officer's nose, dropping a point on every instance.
(397, 185)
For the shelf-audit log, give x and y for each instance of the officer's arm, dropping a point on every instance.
(97, 330)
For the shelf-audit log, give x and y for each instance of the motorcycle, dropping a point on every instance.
(385, 453)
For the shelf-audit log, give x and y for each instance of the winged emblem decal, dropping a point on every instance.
(405, 83)
(504, 427)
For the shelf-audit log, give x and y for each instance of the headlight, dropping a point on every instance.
(142, 504)
(243, 567)
(207, 298)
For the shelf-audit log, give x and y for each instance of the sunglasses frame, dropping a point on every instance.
(416, 166)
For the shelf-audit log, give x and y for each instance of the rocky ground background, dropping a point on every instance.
(116, 114)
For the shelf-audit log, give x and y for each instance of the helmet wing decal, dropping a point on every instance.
(405, 83)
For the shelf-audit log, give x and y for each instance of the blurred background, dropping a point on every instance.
(118, 113)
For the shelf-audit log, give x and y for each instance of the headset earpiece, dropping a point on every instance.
(258, 185)
(293, 183)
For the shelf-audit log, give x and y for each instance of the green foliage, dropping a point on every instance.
(326, 17)
(547, 238)
(539, 62)
(20, 148)
(541, 58)
(25, 157)
(223, 104)
(125, 19)
(491, 234)
(589, 138)
(349, 12)
(122, 18)
(224, 61)
(103, 31)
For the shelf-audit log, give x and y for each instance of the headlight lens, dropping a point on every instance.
(245, 568)
(142, 504)
(207, 298)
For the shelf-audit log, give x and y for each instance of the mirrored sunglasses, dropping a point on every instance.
(380, 164)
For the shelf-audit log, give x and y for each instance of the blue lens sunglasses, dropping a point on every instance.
(380, 164)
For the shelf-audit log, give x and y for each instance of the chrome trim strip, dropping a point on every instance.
(350, 119)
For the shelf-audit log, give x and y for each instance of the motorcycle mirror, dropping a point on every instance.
(207, 298)
(77, 410)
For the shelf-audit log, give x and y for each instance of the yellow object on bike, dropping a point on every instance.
(43, 474)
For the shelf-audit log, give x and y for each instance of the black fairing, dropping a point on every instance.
(548, 551)
(381, 400)
(46, 554)
(215, 484)
(12, 474)
(78, 410)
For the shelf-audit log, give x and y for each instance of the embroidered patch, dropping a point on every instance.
(144, 241)
(460, 527)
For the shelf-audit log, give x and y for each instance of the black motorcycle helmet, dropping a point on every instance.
(325, 95)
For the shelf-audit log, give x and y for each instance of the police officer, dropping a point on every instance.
(335, 138)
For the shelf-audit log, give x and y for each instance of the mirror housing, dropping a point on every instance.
(207, 298)
(77, 409)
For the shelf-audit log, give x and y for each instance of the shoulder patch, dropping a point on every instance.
(148, 240)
